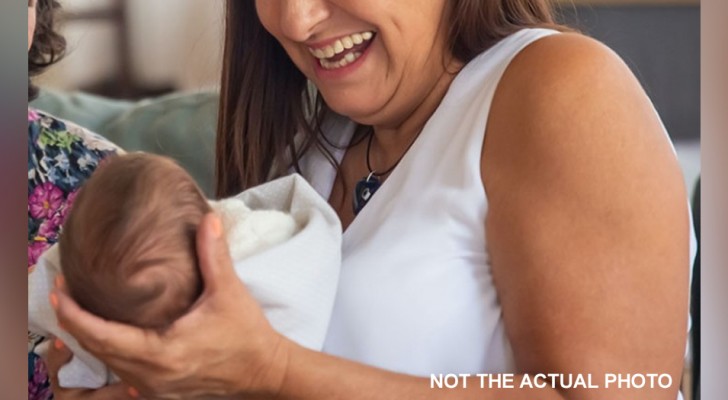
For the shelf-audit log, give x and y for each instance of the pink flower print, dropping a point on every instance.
(32, 115)
(38, 388)
(35, 250)
(49, 228)
(45, 200)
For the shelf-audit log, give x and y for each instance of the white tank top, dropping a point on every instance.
(416, 294)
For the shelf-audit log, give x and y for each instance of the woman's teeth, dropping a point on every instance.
(348, 59)
(330, 56)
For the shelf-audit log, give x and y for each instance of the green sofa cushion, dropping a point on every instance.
(181, 125)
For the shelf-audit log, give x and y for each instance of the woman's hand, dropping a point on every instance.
(222, 347)
(57, 357)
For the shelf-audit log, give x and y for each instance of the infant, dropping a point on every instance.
(128, 253)
(128, 247)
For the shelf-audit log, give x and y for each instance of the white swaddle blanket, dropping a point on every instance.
(289, 259)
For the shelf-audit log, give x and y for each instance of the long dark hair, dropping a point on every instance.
(266, 101)
(48, 45)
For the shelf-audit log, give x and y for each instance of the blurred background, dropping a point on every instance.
(138, 48)
(145, 73)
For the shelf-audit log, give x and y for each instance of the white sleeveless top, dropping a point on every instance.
(416, 294)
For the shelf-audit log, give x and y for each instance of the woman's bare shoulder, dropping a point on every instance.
(567, 95)
(570, 59)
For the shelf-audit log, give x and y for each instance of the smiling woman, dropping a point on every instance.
(528, 215)
(398, 47)
(410, 60)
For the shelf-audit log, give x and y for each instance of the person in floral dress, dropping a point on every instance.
(61, 156)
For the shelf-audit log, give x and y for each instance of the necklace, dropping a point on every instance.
(368, 185)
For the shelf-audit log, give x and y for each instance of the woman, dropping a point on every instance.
(536, 220)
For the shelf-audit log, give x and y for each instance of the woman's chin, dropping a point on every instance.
(358, 111)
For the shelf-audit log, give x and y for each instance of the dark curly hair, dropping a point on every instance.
(48, 45)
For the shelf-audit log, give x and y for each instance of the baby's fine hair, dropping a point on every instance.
(128, 247)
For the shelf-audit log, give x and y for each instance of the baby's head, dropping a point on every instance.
(128, 248)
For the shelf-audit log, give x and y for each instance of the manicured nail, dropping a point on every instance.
(58, 344)
(133, 392)
(54, 300)
(216, 227)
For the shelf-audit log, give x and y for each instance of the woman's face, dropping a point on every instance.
(372, 60)
(31, 22)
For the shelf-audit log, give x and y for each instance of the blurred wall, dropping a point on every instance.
(172, 42)
(179, 40)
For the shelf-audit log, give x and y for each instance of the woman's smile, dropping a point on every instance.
(341, 52)
(374, 62)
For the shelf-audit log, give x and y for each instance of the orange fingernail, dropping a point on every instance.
(133, 392)
(58, 344)
(216, 226)
(54, 300)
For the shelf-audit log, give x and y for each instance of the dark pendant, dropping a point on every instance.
(364, 191)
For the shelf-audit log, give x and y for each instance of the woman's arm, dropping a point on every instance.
(225, 347)
(588, 225)
(587, 231)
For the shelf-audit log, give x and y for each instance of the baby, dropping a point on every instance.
(128, 254)
(128, 245)
(128, 248)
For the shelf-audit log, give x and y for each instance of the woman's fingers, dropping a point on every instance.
(218, 277)
(114, 342)
(126, 349)
(214, 254)
(99, 336)
(117, 391)
(58, 356)
(184, 360)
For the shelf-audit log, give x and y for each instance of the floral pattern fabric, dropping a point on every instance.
(61, 156)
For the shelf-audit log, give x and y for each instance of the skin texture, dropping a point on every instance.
(587, 230)
(31, 22)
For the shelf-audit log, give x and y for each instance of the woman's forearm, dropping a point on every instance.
(314, 375)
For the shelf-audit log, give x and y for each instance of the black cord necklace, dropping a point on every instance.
(368, 185)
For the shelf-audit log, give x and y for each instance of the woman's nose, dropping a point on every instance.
(300, 18)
